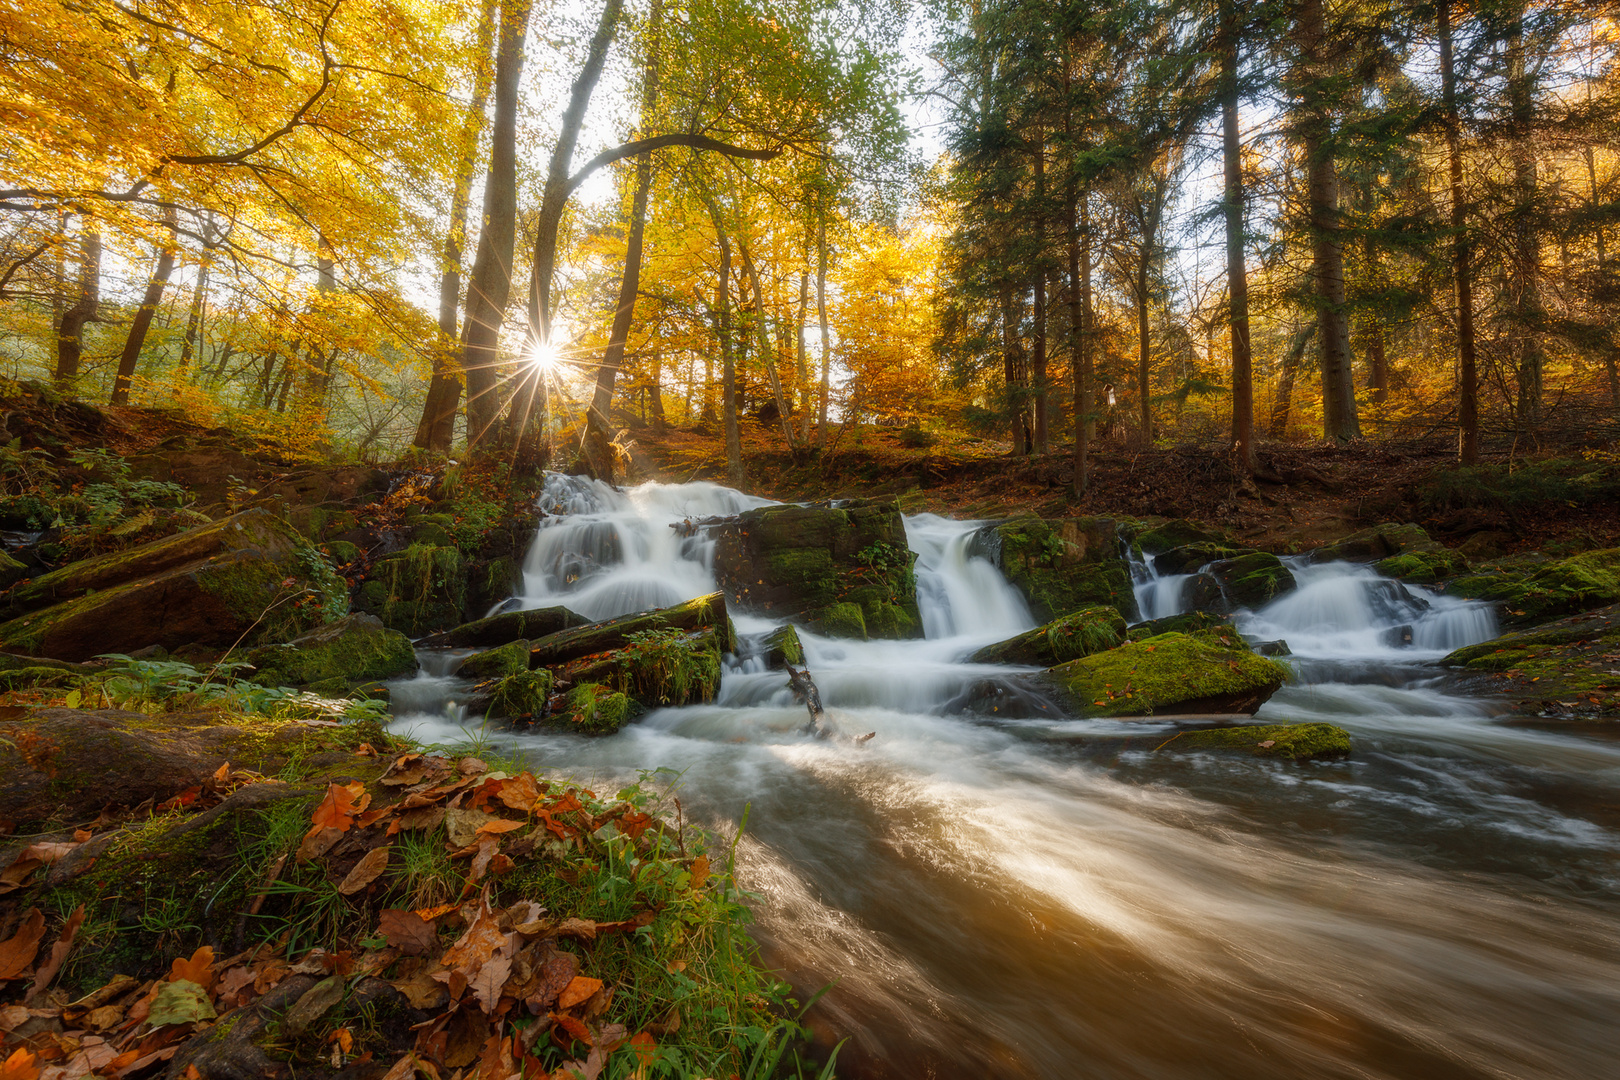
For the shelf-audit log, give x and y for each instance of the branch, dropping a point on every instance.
(19, 264)
(658, 142)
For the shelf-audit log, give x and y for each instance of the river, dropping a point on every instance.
(997, 897)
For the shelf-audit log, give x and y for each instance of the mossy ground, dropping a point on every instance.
(1293, 742)
(1569, 668)
(1528, 596)
(1158, 674)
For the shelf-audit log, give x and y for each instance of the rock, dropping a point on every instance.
(1562, 669)
(248, 575)
(592, 709)
(1423, 567)
(1211, 671)
(578, 641)
(11, 570)
(1397, 637)
(1252, 580)
(1550, 591)
(661, 667)
(1087, 631)
(1489, 544)
(1400, 551)
(1191, 557)
(781, 647)
(519, 695)
(1176, 533)
(844, 571)
(1060, 566)
(1185, 623)
(1291, 742)
(506, 627)
(508, 659)
(1273, 648)
(418, 590)
(357, 648)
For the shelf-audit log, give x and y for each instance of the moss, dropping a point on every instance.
(1423, 567)
(1549, 591)
(1292, 742)
(843, 620)
(341, 552)
(890, 622)
(354, 649)
(1206, 671)
(423, 588)
(782, 646)
(508, 659)
(1176, 533)
(1087, 631)
(522, 693)
(593, 709)
(1253, 579)
(1185, 623)
(806, 570)
(1191, 557)
(657, 667)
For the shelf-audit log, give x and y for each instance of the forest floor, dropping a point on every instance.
(1318, 492)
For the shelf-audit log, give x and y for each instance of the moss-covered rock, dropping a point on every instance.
(814, 562)
(506, 627)
(1178, 532)
(655, 667)
(508, 659)
(11, 570)
(1191, 557)
(1185, 623)
(1423, 567)
(1087, 631)
(247, 578)
(592, 709)
(520, 695)
(1208, 672)
(1552, 590)
(1251, 580)
(781, 647)
(418, 590)
(357, 648)
(1291, 742)
(1564, 668)
(1060, 566)
(704, 612)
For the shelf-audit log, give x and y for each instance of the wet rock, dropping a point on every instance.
(1191, 557)
(655, 668)
(1399, 551)
(1185, 623)
(418, 590)
(1526, 597)
(1207, 672)
(1563, 669)
(247, 575)
(1087, 631)
(1291, 742)
(844, 571)
(1397, 637)
(1060, 566)
(507, 627)
(356, 648)
(1252, 580)
(1176, 533)
(704, 612)
(593, 709)
(508, 659)
(781, 647)
(1273, 648)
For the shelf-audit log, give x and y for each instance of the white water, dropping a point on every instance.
(1007, 899)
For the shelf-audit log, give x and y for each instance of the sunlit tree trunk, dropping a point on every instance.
(722, 333)
(1527, 309)
(83, 310)
(1233, 202)
(143, 317)
(1461, 255)
(826, 330)
(803, 390)
(194, 318)
(767, 357)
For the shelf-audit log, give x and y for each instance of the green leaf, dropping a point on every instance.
(73, 698)
(180, 1002)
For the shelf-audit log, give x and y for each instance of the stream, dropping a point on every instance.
(994, 898)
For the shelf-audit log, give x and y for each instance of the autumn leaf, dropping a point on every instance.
(577, 991)
(474, 948)
(406, 931)
(180, 1002)
(520, 792)
(18, 951)
(575, 1028)
(501, 825)
(19, 1066)
(367, 870)
(343, 803)
(486, 985)
(700, 871)
(317, 842)
(199, 968)
(59, 953)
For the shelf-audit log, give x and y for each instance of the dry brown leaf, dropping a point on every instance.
(471, 766)
(18, 872)
(482, 939)
(583, 929)
(486, 984)
(404, 1069)
(426, 817)
(463, 825)
(367, 870)
(12, 1016)
(578, 989)
(407, 931)
(48, 851)
(59, 953)
(520, 792)
(422, 991)
(235, 986)
(18, 951)
(501, 825)
(317, 842)
(555, 974)
(700, 871)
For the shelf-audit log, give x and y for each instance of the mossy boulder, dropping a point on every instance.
(1290, 742)
(1526, 597)
(355, 649)
(1191, 557)
(418, 590)
(11, 570)
(1175, 533)
(1423, 567)
(655, 668)
(593, 709)
(1250, 581)
(508, 659)
(704, 612)
(1087, 631)
(1185, 623)
(1060, 566)
(1377, 543)
(506, 627)
(781, 647)
(1207, 672)
(815, 563)
(1564, 668)
(248, 578)
(520, 695)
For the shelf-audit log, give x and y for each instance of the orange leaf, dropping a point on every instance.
(19, 1066)
(582, 987)
(199, 969)
(367, 870)
(18, 951)
(222, 773)
(574, 1027)
(700, 871)
(343, 803)
(520, 792)
(501, 825)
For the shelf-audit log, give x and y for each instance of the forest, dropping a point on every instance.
(365, 226)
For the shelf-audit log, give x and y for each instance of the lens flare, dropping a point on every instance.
(543, 355)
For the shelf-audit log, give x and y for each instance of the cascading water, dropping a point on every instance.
(995, 903)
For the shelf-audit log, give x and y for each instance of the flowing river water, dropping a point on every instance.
(997, 897)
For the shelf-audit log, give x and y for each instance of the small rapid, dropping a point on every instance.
(996, 898)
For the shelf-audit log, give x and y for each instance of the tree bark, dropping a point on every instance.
(194, 317)
(826, 330)
(1012, 359)
(1339, 420)
(767, 357)
(1233, 202)
(489, 285)
(1461, 255)
(436, 429)
(1282, 404)
(70, 333)
(806, 410)
(1527, 309)
(143, 317)
(1038, 310)
(722, 327)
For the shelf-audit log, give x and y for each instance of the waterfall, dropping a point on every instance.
(958, 592)
(1157, 596)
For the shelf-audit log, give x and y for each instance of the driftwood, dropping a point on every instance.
(804, 690)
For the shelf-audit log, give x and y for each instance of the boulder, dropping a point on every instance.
(1087, 631)
(1060, 566)
(1563, 668)
(247, 577)
(655, 667)
(579, 641)
(521, 695)
(845, 571)
(356, 648)
(593, 709)
(506, 627)
(1252, 580)
(1207, 672)
(1290, 742)
(508, 659)
(1399, 551)
(1175, 533)
(1185, 623)
(780, 648)
(418, 590)
(1526, 597)
(1191, 557)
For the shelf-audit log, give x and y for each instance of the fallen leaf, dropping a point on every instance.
(406, 931)
(580, 988)
(426, 817)
(199, 968)
(367, 870)
(406, 769)
(462, 825)
(431, 913)
(575, 1027)
(700, 871)
(18, 951)
(48, 851)
(317, 842)
(583, 929)
(422, 991)
(404, 1069)
(1268, 744)
(222, 773)
(59, 953)
(501, 825)
(17, 873)
(343, 803)
(19, 1066)
(520, 792)
(471, 766)
(487, 983)
(180, 1002)
(480, 942)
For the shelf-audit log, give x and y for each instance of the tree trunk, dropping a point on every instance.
(1282, 404)
(1339, 420)
(1038, 310)
(1144, 346)
(1079, 346)
(489, 285)
(655, 391)
(194, 317)
(436, 429)
(1012, 359)
(1461, 256)
(826, 330)
(767, 357)
(1233, 202)
(143, 317)
(806, 410)
(1527, 310)
(722, 333)
(70, 332)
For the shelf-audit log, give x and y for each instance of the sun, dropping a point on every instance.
(542, 355)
